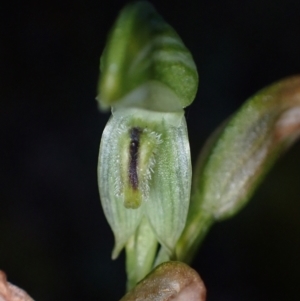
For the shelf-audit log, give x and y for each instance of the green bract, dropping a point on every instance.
(237, 157)
(144, 170)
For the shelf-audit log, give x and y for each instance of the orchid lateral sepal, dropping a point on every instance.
(162, 168)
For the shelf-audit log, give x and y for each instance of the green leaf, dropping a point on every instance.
(145, 64)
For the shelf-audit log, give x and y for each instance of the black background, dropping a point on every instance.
(54, 240)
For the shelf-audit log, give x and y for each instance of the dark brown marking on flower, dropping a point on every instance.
(135, 134)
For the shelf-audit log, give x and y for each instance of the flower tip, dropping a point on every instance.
(116, 252)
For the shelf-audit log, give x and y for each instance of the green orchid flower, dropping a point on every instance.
(144, 172)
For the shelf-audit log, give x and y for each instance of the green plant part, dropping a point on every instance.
(144, 172)
(147, 78)
(237, 157)
(145, 64)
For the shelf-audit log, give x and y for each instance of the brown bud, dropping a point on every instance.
(170, 281)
